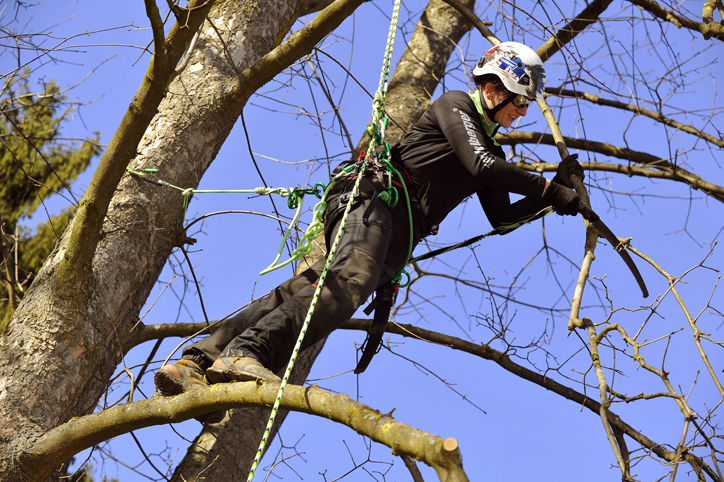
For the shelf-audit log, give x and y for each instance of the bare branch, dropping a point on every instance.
(160, 54)
(568, 32)
(690, 319)
(297, 45)
(708, 29)
(657, 116)
(659, 168)
(477, 23)
(504, 361)
(78, 434)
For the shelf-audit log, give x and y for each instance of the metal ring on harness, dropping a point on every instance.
(397, 279)
(319, 189)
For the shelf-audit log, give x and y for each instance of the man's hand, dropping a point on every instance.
(568, 166)
(567, 201)
(564, 200)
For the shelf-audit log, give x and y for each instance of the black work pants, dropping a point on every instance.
(374, 246)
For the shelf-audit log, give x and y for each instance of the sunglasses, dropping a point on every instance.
(521, 101)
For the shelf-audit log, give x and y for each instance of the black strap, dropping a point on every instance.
(499, 230)
(382, 304)
(370, 208)
(491, 112)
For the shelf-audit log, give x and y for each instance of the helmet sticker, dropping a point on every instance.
(489, 56)
(511, 68)
(517, 65)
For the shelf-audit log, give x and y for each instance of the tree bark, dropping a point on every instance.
(443, 455)
(226, 451)
(421, 67)
(66, 339)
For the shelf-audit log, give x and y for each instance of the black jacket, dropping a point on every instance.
(449, 157)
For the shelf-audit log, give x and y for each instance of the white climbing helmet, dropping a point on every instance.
(517, 65)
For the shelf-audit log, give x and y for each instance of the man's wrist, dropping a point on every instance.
(545, 189)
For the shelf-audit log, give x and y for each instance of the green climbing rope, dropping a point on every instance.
(378, 115)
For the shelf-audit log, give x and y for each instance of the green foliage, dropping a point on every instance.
(35, 162)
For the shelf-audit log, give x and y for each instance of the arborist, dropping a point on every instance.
(448, 156)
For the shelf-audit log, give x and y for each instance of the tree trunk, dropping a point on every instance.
(65, 340)
(421, 67)
(226, 451)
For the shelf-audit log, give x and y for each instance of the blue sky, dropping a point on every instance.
(524, 431)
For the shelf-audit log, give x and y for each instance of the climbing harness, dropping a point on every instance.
(379, 119)
(386, 294)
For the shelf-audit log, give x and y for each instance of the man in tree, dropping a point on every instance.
(449, 155)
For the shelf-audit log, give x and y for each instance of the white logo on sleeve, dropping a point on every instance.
(484, 156)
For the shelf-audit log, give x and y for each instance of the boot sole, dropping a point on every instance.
(231, 373)
(169, 385)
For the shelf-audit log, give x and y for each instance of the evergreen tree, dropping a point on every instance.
(35, 162)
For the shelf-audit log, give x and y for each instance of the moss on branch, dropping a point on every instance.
(84, 432)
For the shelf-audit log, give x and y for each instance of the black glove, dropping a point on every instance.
(567, 201)
(568, 166)
(564, 200)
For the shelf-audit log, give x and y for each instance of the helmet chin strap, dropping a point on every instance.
(491, 112)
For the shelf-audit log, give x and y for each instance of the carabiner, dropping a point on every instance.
(319, 189)
(398, 277)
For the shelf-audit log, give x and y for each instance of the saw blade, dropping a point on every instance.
(616, 244)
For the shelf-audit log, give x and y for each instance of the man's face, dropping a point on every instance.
(508, 114)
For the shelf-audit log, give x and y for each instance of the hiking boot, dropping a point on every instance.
(239, 369)
(183, 376)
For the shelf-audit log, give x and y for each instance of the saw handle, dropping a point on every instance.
(575, 182)
(570, 174)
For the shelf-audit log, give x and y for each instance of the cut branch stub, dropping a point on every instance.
(84, 432)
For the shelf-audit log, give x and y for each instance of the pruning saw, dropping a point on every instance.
(620, 248)
(616, 244)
